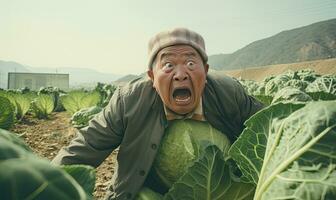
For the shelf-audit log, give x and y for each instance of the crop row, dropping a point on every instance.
(15, 104)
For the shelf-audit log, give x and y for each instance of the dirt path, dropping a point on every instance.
(47, 137)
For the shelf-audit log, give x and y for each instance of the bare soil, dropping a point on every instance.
(326, 66)
(47, 136)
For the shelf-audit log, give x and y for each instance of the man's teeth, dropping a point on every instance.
(183, 100)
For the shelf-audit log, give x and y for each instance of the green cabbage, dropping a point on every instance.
(308, 75)
(55, 93)
(288, 151)
(22, 103)
(181, 142)
(23, 175)
(6, 135)
(10, 97)
(42, 106)
(209, 178)
(290, 94)
(148, 194)
(78, 99)
(106, 91)
(83, 116)
(277, 83)
(7, 114)
(298, 84)
(325, 83)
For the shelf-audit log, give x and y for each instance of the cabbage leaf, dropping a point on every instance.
(288, 151)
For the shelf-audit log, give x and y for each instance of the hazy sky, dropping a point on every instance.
(112, 35)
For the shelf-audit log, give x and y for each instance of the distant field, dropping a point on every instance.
(327, 66)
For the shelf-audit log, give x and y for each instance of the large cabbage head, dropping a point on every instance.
(181, 145)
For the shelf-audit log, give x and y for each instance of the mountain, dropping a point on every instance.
(312, 42)
(79, 77)
(9, 66)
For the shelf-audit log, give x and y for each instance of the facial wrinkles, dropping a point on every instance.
(179, 54)
(165, 79)
(179, 57)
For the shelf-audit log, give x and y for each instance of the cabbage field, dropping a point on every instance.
(46, 120)
(286, 151)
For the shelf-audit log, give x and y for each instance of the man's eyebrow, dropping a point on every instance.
(165, 54)
(188, 54)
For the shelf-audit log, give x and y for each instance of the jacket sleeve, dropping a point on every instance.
(96, 141)
(248, 105)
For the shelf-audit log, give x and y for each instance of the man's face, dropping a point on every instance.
(179, 77)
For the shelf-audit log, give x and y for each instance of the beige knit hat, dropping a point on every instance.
(174, 37)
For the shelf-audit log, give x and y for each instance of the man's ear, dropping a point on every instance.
(206, 68)
(150, 74)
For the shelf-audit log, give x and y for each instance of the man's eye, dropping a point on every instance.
(190, 63)
(168, 65)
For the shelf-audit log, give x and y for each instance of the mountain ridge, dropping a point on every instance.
(78, 76)
(311, 42)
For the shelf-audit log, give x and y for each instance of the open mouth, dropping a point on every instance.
(182, 95)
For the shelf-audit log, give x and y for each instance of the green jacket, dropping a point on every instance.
(135, 122)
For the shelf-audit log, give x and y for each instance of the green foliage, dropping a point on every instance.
(210, 177)
(23, 102)
(265, 99)
(251, 87)
(182, 138)
(31, 96)
(290, 94)
(78, 99)
(298, 84)
(42, 106)
(288, 151)
(25, 176)
(55, 93)
(24, 90)
(276, 84)
(308, 75)
(148, 194)
(20, 100)
(273, 88)
(84, 175)
(321, 96)
(106, 91)
(10, 97)
(82, 117)
(6, 135)
(325, 83)
(7, 113)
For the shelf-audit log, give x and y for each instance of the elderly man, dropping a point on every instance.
(138, 113)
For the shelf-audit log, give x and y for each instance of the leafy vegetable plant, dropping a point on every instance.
(6, 113)
(78, 99)
(42, 106)
(25, 176)
(82, 117)
(286, 151)
(23, 102)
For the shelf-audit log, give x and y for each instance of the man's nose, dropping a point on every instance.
(180, 74)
